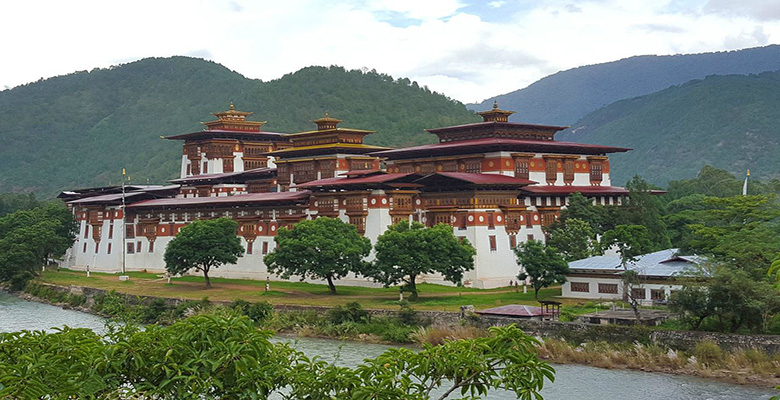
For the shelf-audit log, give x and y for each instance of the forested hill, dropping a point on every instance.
(565, 97)
(81, 129)
(730, 122)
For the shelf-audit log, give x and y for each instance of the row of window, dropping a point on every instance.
(612, 288)
(492, 240)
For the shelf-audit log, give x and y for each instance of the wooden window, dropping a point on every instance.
(512, 241)
(108, 250)
(639, 293)
(492, 239)
(138, 246)
(491, 223)
(463, 219)
(568, 171)
(551, 170)
(595, 172)
(130, 248)
(657, 294)
(521, 168)
(84, 250)
(97, 247)
(608, 288)
(580, 287)
(530, 237)
(151, 246)
(205, 168)
(265, 247)
(86, 231)
(130, 231)
(249, 247)
(111, 231)
(474, 167)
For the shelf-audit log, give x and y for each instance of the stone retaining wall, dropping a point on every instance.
(573, 332)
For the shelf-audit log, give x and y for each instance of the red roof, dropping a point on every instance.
(585, 190)
(349, 181)
(514, 310)
(210, 177)
(252, 198)
(222, 133)
(496, 123)
(493, 144)
(361, 172)
(484, 179)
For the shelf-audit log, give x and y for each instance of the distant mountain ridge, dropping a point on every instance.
(80, 130)
(730, 122)
(565, 97)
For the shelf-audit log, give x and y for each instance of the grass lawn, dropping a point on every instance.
(432, 297)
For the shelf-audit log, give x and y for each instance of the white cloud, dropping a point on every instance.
(467, 51)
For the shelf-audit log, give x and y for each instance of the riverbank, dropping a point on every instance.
(403, 326)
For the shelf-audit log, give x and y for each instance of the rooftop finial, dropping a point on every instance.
(232, 108)
(495, 104)
(326, 114)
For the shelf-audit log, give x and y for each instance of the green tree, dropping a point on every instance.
(408, 250)
(29, 238)
(630, 241)
(581, 208)
(542, 263)
(732, 298)
(203, 245)
(221, 355)
(574, 239)
(644, 207)
(323, 248)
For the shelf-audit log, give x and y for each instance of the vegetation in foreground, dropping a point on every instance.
(224, 356)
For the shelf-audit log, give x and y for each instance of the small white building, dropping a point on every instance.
(600, 277)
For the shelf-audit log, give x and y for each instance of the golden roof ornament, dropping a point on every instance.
(495, 114)
(326, 122)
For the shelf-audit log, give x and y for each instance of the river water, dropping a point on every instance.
(571, 381)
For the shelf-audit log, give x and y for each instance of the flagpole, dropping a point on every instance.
(124, 224)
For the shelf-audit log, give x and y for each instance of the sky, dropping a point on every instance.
(467, 50)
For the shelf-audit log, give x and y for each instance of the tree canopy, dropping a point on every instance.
(224, 356)
(323, 248)
(28, 238)
(203, 245)
(542, 263)
(574, 239)
(407, 250)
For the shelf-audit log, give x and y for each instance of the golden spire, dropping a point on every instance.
(748, 172)
(496, 114)
(232, 107)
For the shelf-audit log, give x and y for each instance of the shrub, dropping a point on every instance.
(708, 352)
(260, 312)
(152, 312)
(350, 312)
(407, 315)
(397, 334)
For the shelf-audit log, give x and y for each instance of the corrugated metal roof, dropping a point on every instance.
(661, 263)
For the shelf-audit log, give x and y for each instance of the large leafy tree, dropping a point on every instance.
(29, 238)
(574, 239)
(323, 248)
(203, 245)
(740, 231)
(630, 241)
(224, 356)
(731, 298)
(407, 250)
(542, 263)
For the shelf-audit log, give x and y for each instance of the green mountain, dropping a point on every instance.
(565, 97)
(81, 129)
(730, 122)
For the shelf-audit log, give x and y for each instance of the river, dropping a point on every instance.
(571, 381)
